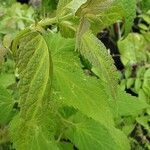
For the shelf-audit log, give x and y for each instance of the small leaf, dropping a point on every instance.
(138, 85)
(146, 82)
(6, 106)
(7, 79)
(130, 82)
(130, 8)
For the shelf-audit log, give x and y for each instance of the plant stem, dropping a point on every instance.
(48, 21)
(55, 20)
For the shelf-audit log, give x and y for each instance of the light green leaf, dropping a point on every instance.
(143, 120)
(66, 146)
(146, 83)
(94, 7)
(35, 70)
(61, 5)
(130, 82)
(127, 105)
(130, 12)
(88, 134)
(132, 49)
(72, 86)
(138, 85)
(94, 50)
(106, 12)
(69, 5)
(6, 106)
(101, 14)
(7, 79)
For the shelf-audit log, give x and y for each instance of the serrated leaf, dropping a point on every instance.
(128, 105)
(94, 7)
(101, 14)
(71, 5)
(6, 106)
(35, 70)
(88, 134)
(130, 8)
(72, 86)
(94, 50)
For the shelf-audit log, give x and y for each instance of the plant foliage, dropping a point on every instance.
(56, 105)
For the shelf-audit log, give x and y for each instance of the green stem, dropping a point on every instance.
(48, 21)
(55, 20)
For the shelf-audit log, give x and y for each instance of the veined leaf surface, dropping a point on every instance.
(71, 5)
(94, 50)
(34, 65)
(72, 86)
(88, 134)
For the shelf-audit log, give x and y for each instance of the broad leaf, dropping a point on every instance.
(94, 7)
(101, 14)
(35, 70)
(88, 134)
(132, 49)
(127, 105)
(106, 12)
(69, 5)
(93, 50)
(6, 106)
(72, 87)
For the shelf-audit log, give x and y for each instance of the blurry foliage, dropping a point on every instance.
(135, 56)
(13, 18)
(135, 78)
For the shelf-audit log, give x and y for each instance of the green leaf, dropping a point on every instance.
(132, 49)
(101, 14)
(61, 6)
(48, 5)
(88, 134)
(72, 86)
(35, 119)
(144, 5)
(138, 85)
(106, 12)
(7, 79)
(127, 105)
(146, 82)
(66, 146)
(94, 50)
(143, 120)
(6, 106)
(69, 5)
(130, 82)
(130, 12)
(94, 7)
